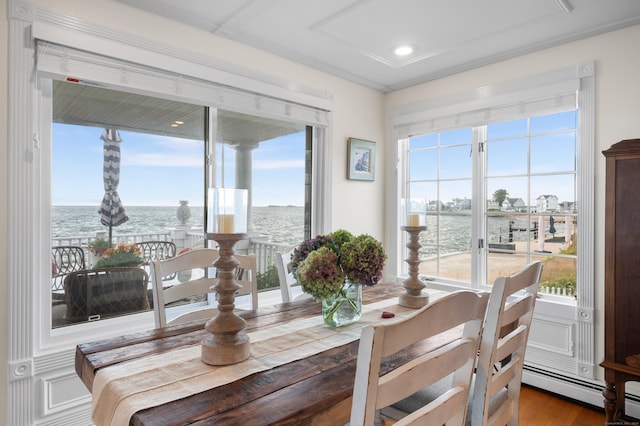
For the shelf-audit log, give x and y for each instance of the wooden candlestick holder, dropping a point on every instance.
(413, 296)
(226, 344)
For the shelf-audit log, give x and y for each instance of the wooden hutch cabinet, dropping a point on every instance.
(622, 274)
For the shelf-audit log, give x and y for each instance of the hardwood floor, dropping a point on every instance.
(538, 408)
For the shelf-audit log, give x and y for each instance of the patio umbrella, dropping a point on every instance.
(111, 211)
(552, 228)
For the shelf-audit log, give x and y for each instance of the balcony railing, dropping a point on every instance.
(265, 251)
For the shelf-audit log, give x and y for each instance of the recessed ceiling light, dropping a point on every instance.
(403, 50)
(179, 122)
(174, 125)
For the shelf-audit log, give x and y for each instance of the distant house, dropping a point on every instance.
(547, 203)
(458, 204)
(513, 205)
(567, 206)
(435, 205)
(492, 205)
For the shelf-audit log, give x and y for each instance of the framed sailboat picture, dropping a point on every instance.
(362, 160)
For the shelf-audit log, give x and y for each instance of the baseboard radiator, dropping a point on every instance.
(575, 388)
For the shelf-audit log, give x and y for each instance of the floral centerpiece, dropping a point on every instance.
(120, 256)
(333, 267)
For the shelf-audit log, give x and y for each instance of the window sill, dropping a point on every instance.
(554, 298)
(450, 286)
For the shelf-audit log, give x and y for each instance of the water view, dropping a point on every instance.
(285, 225)
(281, 224)
(453, 232)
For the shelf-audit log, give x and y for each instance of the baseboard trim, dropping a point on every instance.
(577, 389)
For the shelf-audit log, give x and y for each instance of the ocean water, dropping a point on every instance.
(280, 224)
(284, 225)
(452, 232)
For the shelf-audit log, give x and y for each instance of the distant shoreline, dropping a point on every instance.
(280, 224)
(558, 217)
(97, 205)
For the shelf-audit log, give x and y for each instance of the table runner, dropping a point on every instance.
(120, 391)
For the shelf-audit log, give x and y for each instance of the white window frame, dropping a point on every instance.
(478, 239)
(50, 56)
(41, 360)
(544, 93)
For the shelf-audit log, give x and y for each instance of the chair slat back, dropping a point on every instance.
(285, 276)
(197, 265)
(503, 345)
(195, 276)
(187, 289)
(462, 311)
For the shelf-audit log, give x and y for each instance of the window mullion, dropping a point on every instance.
(479, 205)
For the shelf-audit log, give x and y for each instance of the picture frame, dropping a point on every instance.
(362, 160)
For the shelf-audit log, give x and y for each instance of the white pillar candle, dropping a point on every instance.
(225, 224)
(413, 220)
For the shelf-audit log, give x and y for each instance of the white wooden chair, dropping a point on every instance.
(495, 395)
(286, 277)
(200, 263)
(373, 392)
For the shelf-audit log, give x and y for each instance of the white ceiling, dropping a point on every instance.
(355, 39)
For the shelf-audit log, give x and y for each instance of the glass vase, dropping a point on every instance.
(345, 307)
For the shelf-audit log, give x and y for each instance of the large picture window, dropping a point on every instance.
(507, 171)
(175, 133)
(527, 209)
(129, 174)
(507, 174)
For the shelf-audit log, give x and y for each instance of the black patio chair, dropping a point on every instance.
(64, 260)
(156, 250)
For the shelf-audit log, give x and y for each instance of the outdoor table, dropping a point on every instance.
(300, 370)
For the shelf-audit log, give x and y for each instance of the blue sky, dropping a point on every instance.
(546, 144)
(159, 170)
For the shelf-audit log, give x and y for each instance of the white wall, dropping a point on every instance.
(617, 92)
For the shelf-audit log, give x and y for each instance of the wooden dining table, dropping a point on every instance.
(302, 383)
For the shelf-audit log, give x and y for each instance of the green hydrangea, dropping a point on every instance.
(340, 237)
(322, 264)
(301, 252)
(320, 274)
(362, 259)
